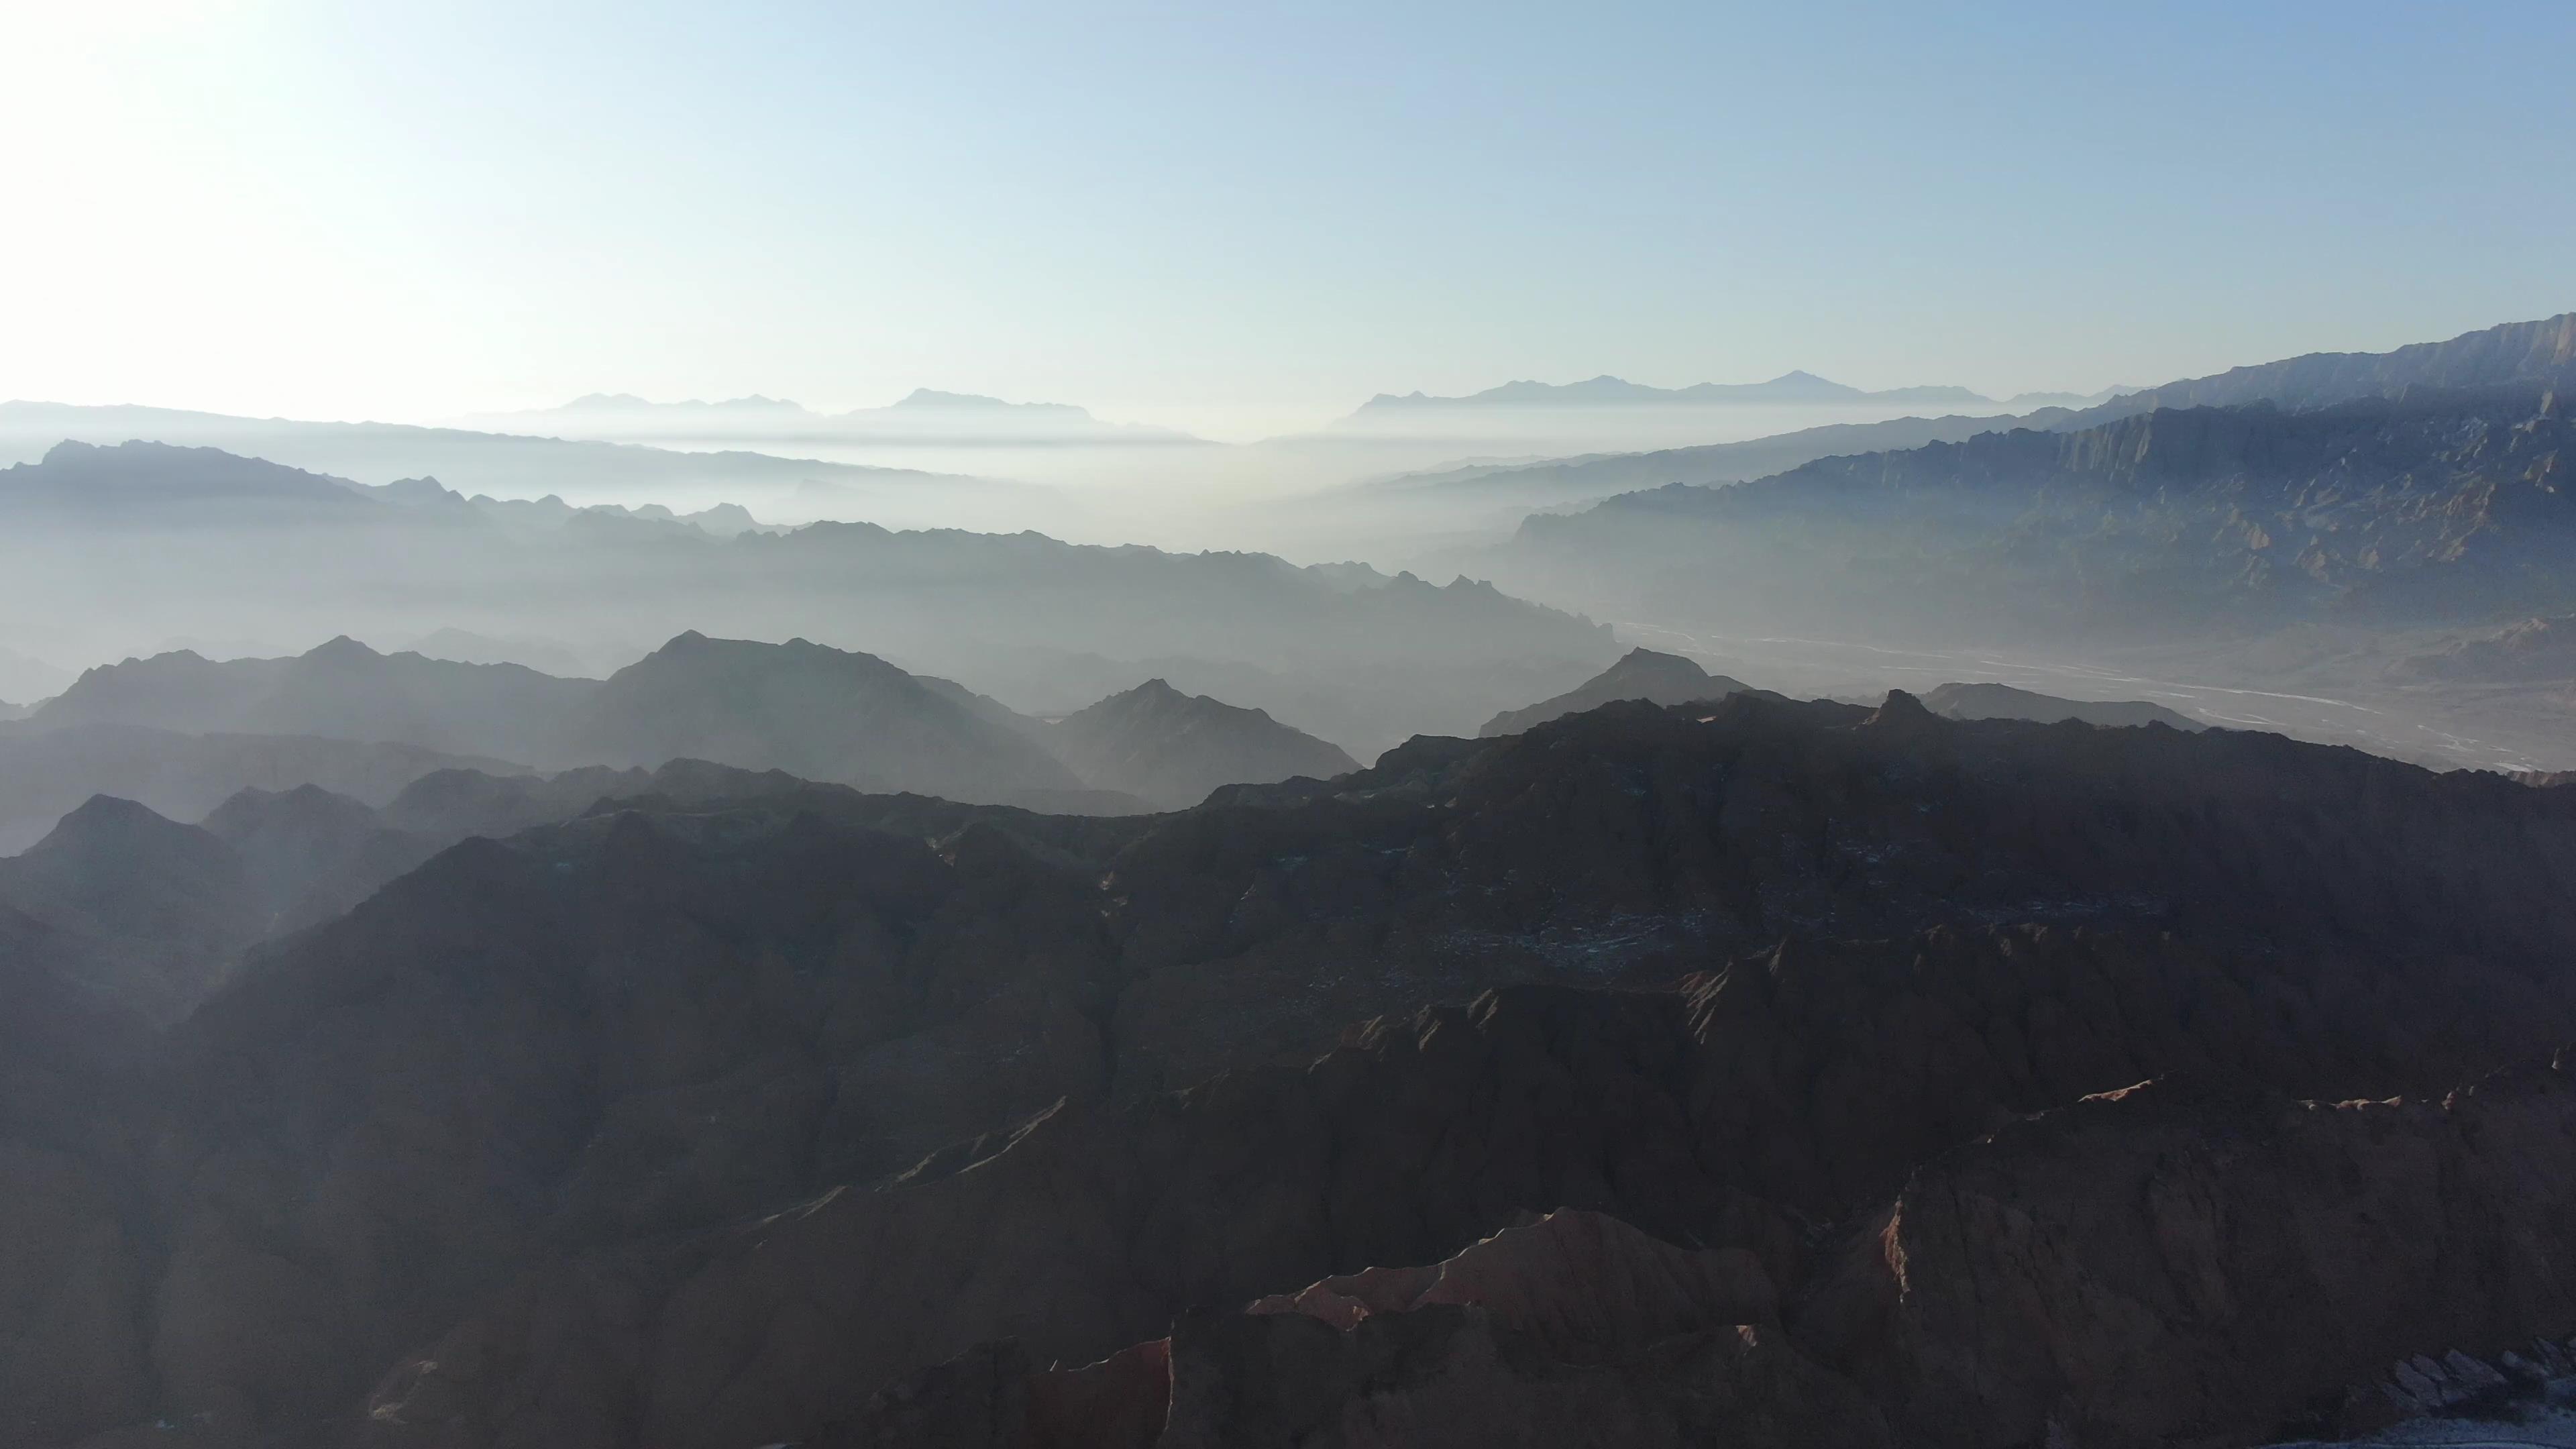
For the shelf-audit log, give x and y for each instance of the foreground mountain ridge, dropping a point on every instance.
(633, 1085)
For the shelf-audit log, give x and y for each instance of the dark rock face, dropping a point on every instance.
(2203, 1264)
(1173, 749)
(1639, 674)
(717, 1118)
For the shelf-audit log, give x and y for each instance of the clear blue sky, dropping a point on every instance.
(1247, 217)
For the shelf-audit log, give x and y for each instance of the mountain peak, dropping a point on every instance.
(931, 398)
(341, 649)
(1641, 673)
(1174, 749)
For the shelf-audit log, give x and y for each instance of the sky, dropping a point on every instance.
(1247, 218)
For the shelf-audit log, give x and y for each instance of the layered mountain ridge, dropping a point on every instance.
(555, 1137)
(2429, 506)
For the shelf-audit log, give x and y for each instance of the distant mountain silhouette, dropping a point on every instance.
(2541, 352)
(499, 464)
(933, 399)
(812, 711)
(28, 680)
(1342, 650)
(2002, 701)
(1607, 391)
(923, 415)
(44, 774)
(338, 690)
(628, 403)
(1640, 674)
(79, 481)
(1173, 749)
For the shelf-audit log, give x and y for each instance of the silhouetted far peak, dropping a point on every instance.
(1173, 749)
(78, 479)
(1641, 673)
(811, 710)
(933, 398)
(340, 649)
(302, 807)
(629, 403)
(1609, 391)
(104, 819)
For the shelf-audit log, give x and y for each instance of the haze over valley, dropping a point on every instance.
(1694, 727)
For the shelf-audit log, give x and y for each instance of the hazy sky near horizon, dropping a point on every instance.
(1248, 218)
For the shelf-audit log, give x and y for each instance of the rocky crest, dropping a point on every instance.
(747, 1112)
(1639, 674)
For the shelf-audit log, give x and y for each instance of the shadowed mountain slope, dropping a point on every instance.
(1172, 749)
(1639, 674)
(698, 1124)
(45, 774)
(810, 711)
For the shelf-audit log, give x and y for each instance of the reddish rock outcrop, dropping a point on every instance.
(2195, 1264)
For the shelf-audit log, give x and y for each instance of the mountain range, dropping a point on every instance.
(174, 727)
(1718, 1067)
(2540, 353)
(1344, 651)
(2431, 506)
(515, 466)
(45, 773)
(1789, 387)
(924, 414)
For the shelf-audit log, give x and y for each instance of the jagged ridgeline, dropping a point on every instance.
(715, 1108)
(240, 546)
(2416, 487)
